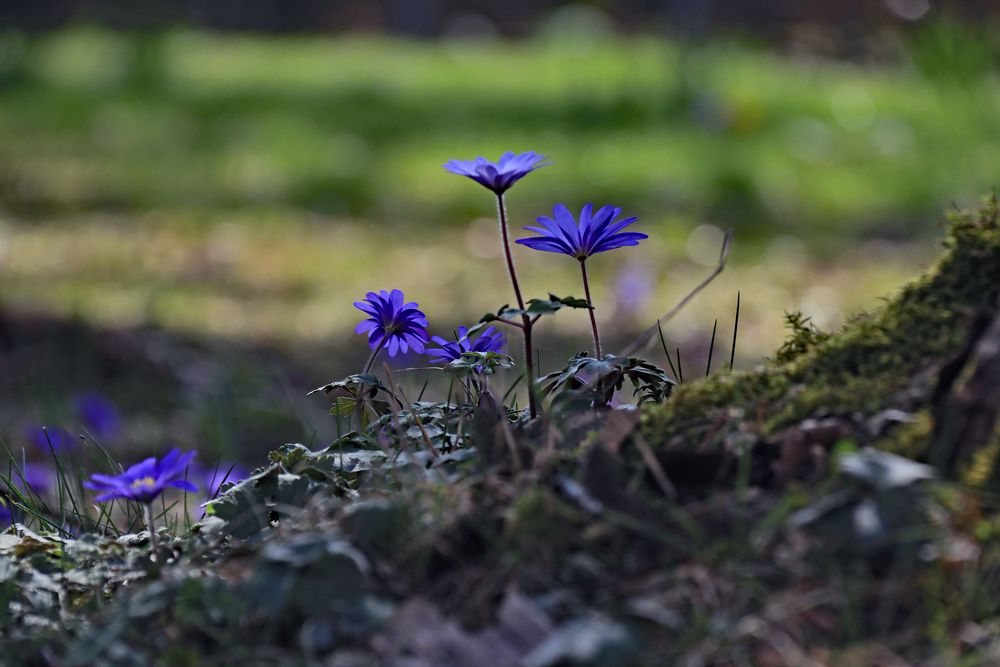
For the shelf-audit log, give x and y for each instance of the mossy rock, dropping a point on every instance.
(888, 359)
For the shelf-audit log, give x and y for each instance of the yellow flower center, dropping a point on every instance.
(144, 483)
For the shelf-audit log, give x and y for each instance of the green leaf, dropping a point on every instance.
(600, 378)
(254, 503)
(485, 363)
(344, 406)
(353, 385)
(535, 308)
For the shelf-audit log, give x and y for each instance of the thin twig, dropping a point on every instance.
(643, 339)
(659, 474)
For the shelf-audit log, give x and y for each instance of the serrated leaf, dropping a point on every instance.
(602, 377)
(535, 308)
(352, 384)
(344, 406)
(485, 363)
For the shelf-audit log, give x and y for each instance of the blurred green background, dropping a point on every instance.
(186, 216)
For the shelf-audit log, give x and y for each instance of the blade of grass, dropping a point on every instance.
(736, 328)
(512, 388)
(663, 343)
(711, 348)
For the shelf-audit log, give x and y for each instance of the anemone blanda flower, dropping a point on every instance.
(211, 478)
(59, 438)
(391, 323)
(500, 175)
(450, 350)
(592, 233)
(146, 480)
(39, 477)
(98, 414)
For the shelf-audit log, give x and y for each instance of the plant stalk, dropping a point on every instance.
(593, 317)
(154, 544)
(359, 412)
(373, 356)
(526, 322)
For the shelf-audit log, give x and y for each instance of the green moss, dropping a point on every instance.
(911, 439)
(803, 336)
(864, 366)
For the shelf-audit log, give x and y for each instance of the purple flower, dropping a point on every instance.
(594, 233)
(391, 323)
(40, 477)
(500, 175)
(488, 341)
(212, 477)
(98, 414)
(41, 436)
(633, 288)
(145, 481)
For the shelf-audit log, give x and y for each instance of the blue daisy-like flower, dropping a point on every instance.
(450, 350)
(592, 233)
(146, 480)
(59, 438)
(391, 323)
(211, 478)
(41, 479)
(98, 414)
(500, 175)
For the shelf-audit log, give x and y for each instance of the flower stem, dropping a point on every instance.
(373, 356)
(359, 412)
(153, 542)
(593, 318)
(526, 322)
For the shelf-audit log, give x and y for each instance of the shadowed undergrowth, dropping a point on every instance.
(743, 521)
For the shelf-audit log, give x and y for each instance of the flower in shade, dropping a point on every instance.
(146, 480)
(60, 439)
(633, 288)
(500, 175)
(40, 477)
(391, 323)
(98, 414)
(594, 232)
(212, 477)
(487, 341)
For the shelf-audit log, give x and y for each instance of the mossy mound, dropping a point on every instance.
(880, 361)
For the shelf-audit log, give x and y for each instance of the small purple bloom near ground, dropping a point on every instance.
(98, 414)
(146, 480)
(391, 323)
(40, 437)
(488, 341)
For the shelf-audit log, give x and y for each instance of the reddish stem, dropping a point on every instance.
(526, 322)
(593, 317)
